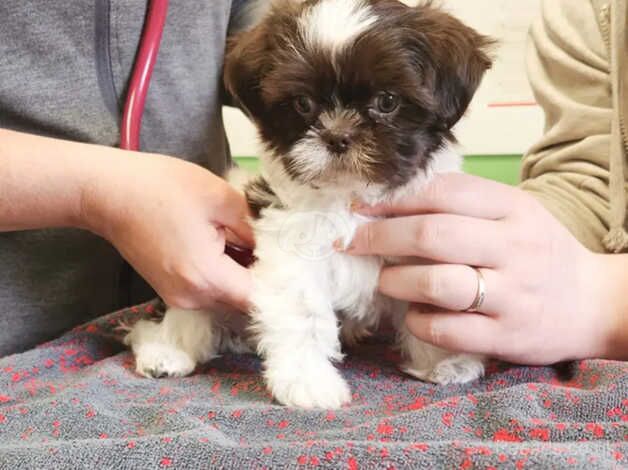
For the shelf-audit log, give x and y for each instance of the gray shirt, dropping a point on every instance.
(64, 68)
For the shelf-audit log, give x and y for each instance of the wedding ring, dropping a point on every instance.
(480, 293)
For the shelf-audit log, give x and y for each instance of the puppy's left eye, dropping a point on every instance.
(387, 102)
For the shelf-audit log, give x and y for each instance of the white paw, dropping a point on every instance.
(458, 369)
(157, 360)
(321, 389)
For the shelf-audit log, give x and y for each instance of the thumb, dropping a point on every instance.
(232, 211)
(236, 284)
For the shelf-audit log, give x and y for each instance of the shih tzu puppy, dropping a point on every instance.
(353, 99)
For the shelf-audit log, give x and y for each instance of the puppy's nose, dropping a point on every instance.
(337, 142)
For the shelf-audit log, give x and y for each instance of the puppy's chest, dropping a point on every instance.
(299, 244)
(295, 232)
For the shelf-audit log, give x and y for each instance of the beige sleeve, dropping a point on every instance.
(568, 169)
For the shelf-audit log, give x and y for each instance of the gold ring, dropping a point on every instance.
(480, 293)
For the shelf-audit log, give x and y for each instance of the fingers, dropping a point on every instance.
(439, 237)
(462, 332)
(232, 211)
(454, 193)
(240, 233)
(236, 240)
(450, 287)
(235, 284)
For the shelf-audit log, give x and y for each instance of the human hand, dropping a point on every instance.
(170, 220)
(547, 296)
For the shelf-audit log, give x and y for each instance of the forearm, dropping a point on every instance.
(614, 303)
(43, 180)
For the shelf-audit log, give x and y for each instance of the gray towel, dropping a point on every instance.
(77, 403)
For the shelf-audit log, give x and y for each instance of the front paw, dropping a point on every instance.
(158, 360)
(458, 369)
(321, 387)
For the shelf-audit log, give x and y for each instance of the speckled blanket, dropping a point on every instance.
(76, 403)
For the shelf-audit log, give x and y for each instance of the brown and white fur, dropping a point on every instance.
(353, 99)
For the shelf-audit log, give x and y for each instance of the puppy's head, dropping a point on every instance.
(360, 89)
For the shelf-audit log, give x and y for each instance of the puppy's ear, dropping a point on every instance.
(245, 63)
(452, 59)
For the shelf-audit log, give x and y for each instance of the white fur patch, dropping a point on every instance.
(309, 156)
(333, 24)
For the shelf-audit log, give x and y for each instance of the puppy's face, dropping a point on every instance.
(361, 89)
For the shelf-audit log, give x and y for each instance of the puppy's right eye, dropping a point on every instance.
(304, 105)
(387, 103)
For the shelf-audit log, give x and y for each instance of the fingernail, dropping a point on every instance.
(340, 246)
(337, 244)
(357, 205)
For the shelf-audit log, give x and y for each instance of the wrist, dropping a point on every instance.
(610, 316)
(100, 185)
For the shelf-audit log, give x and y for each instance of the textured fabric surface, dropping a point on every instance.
(77, 403)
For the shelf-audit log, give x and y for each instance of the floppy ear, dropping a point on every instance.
(457, 58)
(245, 63)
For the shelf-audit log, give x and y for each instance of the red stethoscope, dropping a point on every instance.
(138, 88)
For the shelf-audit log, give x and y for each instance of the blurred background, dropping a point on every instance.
(503, 120)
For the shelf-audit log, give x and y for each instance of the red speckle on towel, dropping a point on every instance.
(448, 419)
(420, 446)
(503, 435)
(385, 429)
(417, 404)
(540, 433)
(596, 429)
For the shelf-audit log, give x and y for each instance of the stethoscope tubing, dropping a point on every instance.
(142, 74)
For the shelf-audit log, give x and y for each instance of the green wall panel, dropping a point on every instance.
(503, 168)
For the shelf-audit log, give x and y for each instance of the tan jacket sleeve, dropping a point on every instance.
(568, 169)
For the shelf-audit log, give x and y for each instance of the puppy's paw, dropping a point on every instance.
(320, 388)
(351, 337)
(157, 360)
(457, 369)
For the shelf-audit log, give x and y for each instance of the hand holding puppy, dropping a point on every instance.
(548, 298)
